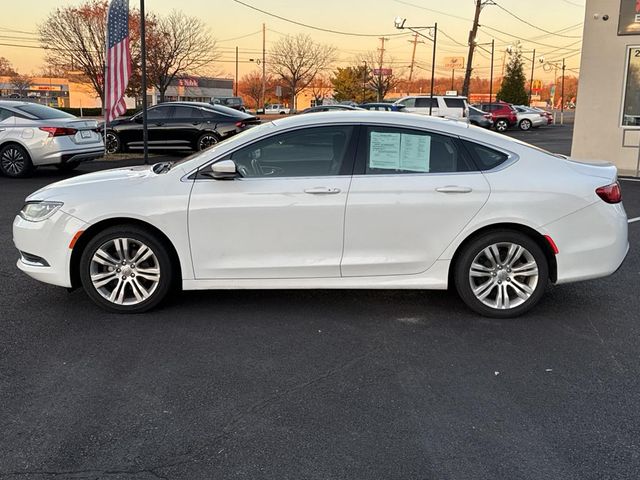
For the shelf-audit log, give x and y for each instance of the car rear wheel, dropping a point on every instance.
(525, 124)
(112, 142)
(15, 161)
(502, 125)
(125, 269)
(206, 140)
(501, 274)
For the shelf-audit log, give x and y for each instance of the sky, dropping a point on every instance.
(233, 24)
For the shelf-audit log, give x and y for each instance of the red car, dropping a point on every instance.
(502, 114)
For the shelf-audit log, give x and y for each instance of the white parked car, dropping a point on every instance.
(529, 118)
(33, 135)
(441, 105)
(338, 200)
(276, 109)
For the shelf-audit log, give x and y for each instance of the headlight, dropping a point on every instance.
(38, 211)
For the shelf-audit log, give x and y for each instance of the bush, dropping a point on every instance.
(90, 112)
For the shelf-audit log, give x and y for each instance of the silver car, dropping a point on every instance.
(32, 135)
(529, 118)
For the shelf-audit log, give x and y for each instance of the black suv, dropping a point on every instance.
(232, 102)
(178, 125)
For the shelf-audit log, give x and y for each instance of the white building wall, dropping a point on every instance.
(598, 134)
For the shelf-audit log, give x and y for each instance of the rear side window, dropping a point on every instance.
(454, 102)
(486, 158)
(425, 102)
(391, 150)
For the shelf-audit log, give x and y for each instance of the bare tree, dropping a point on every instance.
(21, 83)
(177, 45)
(297, 60)
(5, 67)
(380, 82)
(321, 88)
(250, 85)
(74, 39)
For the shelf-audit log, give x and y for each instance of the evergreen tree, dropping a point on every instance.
(352, 83)
(512, 89)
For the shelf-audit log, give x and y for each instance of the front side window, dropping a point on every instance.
(408, 102)
(403, 151)
(631, 106)
(309, 152)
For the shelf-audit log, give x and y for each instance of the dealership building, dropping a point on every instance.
(607, 124)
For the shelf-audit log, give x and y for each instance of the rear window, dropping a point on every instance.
(487, 158)
(454, 102)
(426, 102)
(42, 112)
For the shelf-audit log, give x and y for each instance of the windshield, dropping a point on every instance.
(42, 112)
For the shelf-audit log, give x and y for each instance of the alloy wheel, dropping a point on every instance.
(112, 142)
(206, 141)
(13, 161)
(503, 275)
(525, 124)
(502, 125)
(125, 271)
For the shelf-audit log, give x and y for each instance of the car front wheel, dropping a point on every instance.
(502, 125)
(501, 274)
(125, 269)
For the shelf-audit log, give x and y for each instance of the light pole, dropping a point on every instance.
(364, 83)
(481, 46)
(257, 61)
(399, 23)
(547, 66)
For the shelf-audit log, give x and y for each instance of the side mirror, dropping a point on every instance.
(224, 170)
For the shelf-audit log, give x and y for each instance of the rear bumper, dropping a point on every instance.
(592, 242)
(81, 157)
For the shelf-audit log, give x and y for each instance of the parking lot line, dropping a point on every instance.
(630, 179)
(632, 220)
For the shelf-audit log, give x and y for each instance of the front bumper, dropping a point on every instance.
(47, 240)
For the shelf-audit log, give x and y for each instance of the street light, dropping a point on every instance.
(547, 66)
(481, 46)
(399, 23)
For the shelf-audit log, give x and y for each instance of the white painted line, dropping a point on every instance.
(632, 220)
(630, 179)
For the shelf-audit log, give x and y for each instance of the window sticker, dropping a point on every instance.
(399, 151)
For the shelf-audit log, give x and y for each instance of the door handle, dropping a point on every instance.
(322, 190)
(454, 189)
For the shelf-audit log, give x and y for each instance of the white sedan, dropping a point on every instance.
(339, 200)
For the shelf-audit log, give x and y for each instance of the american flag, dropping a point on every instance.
(118, 59)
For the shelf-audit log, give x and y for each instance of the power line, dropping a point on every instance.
(328, 30)
(531, 24)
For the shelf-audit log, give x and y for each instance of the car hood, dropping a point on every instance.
(103, 180)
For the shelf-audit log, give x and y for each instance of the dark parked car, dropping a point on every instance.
(479, 118)
(178, 125)
(329, 108)
(382, 106)
(232, 102)
(502, 114)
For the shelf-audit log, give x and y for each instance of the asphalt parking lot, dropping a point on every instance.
(318, 384)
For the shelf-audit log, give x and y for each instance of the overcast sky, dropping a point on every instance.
(229, 20)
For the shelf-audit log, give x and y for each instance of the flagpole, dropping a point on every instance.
(104, 84)
(143, 62)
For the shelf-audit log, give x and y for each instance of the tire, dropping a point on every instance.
(206, 140)
(525, 124)
(494, 288)
(501, 125)
(15, 161)
(113, 142)
(67, 167)
(126, 269)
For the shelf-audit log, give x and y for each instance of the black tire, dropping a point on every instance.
(525, 124)
(113, 144)
(160, 260)
(465, 282)
(501, 125)
(15, 161)
(67, 167)
(206, 140)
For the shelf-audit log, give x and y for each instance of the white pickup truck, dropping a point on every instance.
(276, 109)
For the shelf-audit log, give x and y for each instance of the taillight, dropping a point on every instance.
(610, 193)
(240, 124)
(59, 131)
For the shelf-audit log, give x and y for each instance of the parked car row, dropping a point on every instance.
(505, 115)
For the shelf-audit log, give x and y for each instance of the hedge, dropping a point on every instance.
(90, 112)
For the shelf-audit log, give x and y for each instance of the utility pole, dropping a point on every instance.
(413, 56)
(382, 40)
(472, 40)
(264, 64)
(235, 86)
